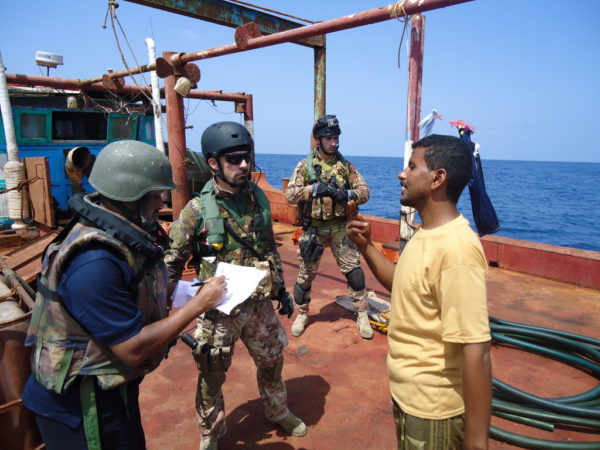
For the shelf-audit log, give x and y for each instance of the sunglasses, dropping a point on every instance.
(237, 158)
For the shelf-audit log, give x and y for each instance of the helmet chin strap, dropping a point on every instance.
(148, 225)
(219, 173)
(336, 146)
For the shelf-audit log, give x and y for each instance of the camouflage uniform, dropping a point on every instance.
(328, 220)
(254, 321)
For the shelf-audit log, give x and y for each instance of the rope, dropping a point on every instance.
(381, 326)
(112, 7)
(15, 177)
(20, 186)
(404, 18)
(399, 5)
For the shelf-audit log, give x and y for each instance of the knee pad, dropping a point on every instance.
(356, 279)
(272, 373)
(301, 295)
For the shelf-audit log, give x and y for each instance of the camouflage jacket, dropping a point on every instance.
(62, 348)
(345, 176)
(188, 237)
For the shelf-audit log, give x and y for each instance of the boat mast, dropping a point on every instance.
(413, 111)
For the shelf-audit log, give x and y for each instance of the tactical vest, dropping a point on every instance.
(324, 209)
(214, 238)
(62, 348)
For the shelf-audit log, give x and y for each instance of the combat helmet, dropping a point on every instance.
(224, 137)
(127, 170)
(327, 125)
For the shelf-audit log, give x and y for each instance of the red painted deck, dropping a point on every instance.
(337, 382)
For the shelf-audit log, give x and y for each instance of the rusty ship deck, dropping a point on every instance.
(337, 382)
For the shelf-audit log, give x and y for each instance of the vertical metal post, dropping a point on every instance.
(156, 106)
(413, 110)
(177, 146)
(249, 115)
(320, 79)
(415, 76)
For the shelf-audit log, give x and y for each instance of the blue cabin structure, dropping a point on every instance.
(51, 122)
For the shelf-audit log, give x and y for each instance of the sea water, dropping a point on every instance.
(550, 202)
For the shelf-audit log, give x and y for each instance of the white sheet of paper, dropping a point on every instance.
(182, 293)
(241, 283)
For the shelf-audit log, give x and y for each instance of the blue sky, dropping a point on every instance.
(525, 73)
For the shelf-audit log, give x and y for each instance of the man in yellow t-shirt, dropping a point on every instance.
(439, 338)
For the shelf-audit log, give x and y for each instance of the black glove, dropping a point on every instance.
(340, 196)
(286, 306)
(323, 190)
(331, 190)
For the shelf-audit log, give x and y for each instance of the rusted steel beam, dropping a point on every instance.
(415, 76)
(391, 11)
(368, 17)
(131, 89)
(177, 146)
(230, 15)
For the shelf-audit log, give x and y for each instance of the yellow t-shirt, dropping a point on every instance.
(439, 302)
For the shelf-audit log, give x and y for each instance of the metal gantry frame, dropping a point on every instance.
(254, 30)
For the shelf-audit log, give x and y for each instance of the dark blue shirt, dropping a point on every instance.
(98, 289)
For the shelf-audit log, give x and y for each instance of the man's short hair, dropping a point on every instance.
(451, 154)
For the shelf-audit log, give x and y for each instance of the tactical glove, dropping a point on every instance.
(323, 190)
(286, 307)
(340, 196)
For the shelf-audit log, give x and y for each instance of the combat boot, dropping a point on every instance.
(300, 324)
(363, 325)
(292, 425)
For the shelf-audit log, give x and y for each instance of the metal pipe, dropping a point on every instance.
(391, 11)
(16, 285)
(415, 76)
(177, 146)
(160, 142)
(320, 82)
(70, 83)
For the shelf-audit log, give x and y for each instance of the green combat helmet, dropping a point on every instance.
(127, 170)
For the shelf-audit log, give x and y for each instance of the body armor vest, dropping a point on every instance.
(221, 230)
(324, 208)
(62, 348)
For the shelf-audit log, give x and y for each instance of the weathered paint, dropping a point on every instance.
(367, 17)
(177, 146)
(569, 265)
(228, 14)
(415, 76)
(128, 89)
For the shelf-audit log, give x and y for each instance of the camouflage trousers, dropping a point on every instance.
(346, 255)
(257, 325)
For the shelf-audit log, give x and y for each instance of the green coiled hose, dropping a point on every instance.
(581, 410)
